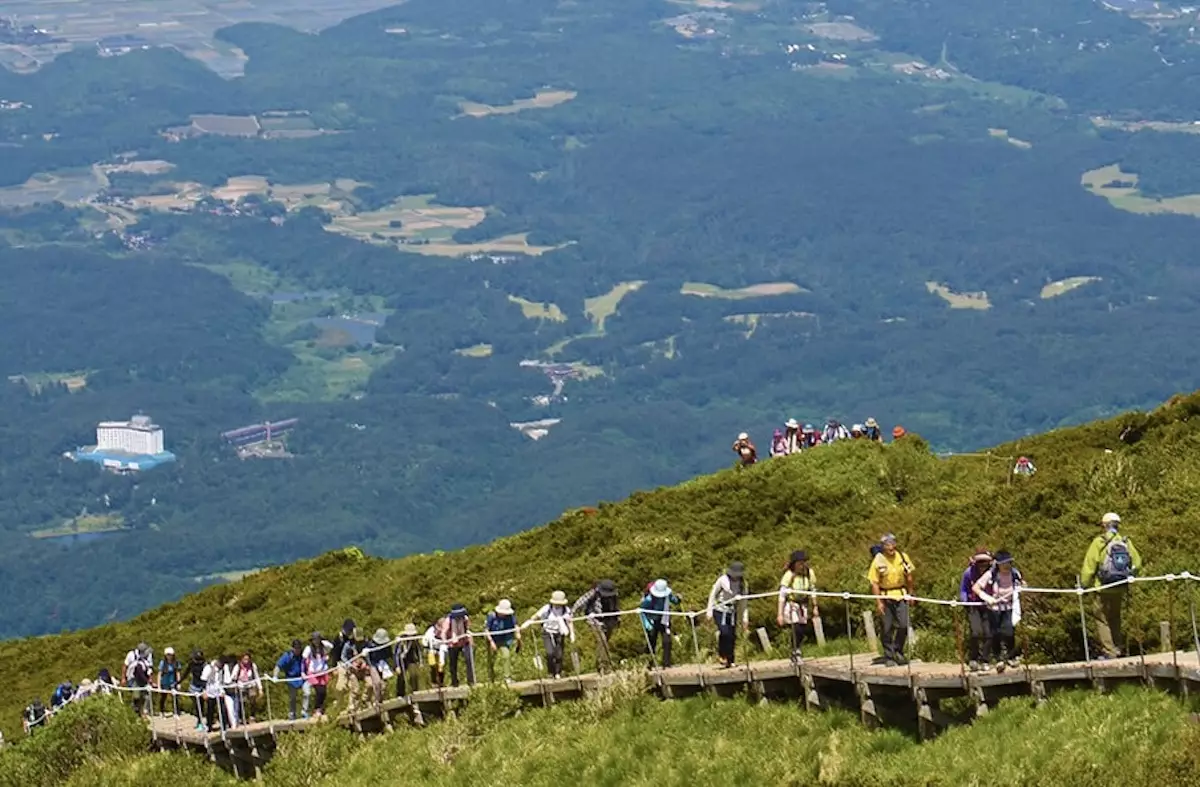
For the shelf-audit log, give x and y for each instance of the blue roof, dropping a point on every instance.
(123, 460)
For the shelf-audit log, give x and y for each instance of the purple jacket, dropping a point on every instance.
(966, 590)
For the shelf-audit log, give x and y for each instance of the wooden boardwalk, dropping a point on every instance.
(908, 696)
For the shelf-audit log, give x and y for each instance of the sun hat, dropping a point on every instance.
(660, 589)
(887, 538)
(808, 429)
(169, 652)
(86, 683)
(143, 649)
(981, 556)
(743, 436)
(792, 424)
(381, 637)
(606, 588)
(857, 428)
(458, 611)
(558, 598)
(504, 607)
(1110, 518)
(316, 636)
(410, 630)
(898, 432)
(872, 423)
(799, 556)
(1003, 557)
(736, 569)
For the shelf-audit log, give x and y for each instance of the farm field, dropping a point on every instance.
(542, 99)
(539, 311)
(1121, 190)
(702, 290)
(1062, 286)
(601, 307)
(80, 525)
(959, 300)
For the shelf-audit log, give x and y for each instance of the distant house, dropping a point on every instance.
(111, 46)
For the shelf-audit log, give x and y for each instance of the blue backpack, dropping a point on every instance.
(1117, 564)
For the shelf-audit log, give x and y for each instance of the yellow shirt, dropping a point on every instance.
(791, 582)
(890, 573)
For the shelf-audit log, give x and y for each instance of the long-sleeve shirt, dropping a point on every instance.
(653, 607)
(1089, 574)
(720, 598)
(556, 620)
(292, 667)
(587, 604)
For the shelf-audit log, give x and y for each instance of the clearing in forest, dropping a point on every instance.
(841, 31)
(1056, 288)
(601, 307)
(1121, 190)
(1002, 133)
(704, 290)
(412, 218)
(36, 381)
(481, 350)
(542, 99)
(959, 300)
(539, 311)
(1165, 126)
(87, 523)
(753, 319)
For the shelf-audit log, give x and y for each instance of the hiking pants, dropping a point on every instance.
(554, 652)
(603, 656)
(504, 655)
(979, 646)
(293, 693)
(455, 652)
(410, 673)
(799, 632)
(1003, 636)
(377, 683)
(895, 627)
(652, 635)
(726, 634)
(1108, 622)
(163, 697)
(199, 699)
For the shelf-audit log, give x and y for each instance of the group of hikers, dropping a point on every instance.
(227, 690)
(794, 438)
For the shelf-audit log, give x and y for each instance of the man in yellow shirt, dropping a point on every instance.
(891, 577)
(1111, 562)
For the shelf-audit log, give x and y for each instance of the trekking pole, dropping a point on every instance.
(1087, 656)
(649, 647)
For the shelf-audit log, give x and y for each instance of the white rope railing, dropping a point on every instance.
(364, 655)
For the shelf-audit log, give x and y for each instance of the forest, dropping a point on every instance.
(726, 161)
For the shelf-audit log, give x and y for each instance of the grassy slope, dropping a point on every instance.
(834, 502)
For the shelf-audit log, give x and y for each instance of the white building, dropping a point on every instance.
(138, 435)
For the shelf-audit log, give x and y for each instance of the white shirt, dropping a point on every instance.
(557, 620)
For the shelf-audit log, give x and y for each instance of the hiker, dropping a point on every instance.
(891, 577)
(231, 702)
(316, 643)
(871, 431)
(435, 656)
(139, 667)
(503, 635)
(809, 436)
(249, 688)
(1024, 467)
(792, 438)
(170, 673)
(194, 674)
(344, 656)
(600, 606)
(834, 431)
(898, 432)
(213, 694)
(778, 444)
(63, 693)
(796, 604)
(378, 660)
(291, 664)
(726, 608)
(316, 674)
(1111, 560)
(557, 626)
(34, 716)
(655, 605)
(85, 690)
(857, 432)
(979, 619)
(746, 452)
(998, 588)
(454, 631)
(407, 655)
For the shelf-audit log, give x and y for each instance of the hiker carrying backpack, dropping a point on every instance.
(1116, 565)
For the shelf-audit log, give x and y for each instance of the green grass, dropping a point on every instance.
(88, 523)
(325, 374)
(601, 307)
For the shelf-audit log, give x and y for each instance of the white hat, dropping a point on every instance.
(504, 607)
(169, 652)
(857, 428)
(1110, 519)
(792, 424)
(660, 589)
(558, 598)
(743, 436)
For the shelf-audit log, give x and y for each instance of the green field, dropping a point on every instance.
(86, 523)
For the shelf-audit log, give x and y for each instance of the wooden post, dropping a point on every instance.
(1164, 634)
(869, 624)
(819, 630)
(912, 635)
(763, 639)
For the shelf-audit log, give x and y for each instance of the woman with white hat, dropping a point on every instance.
(557, 625)
(655, 620)
(503, 636)
(793, 442)
(746, 452)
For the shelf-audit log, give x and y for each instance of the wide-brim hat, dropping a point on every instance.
(660, 588)
(1111, 518)
(736, 569)
(872, 423)
(981, 557)
(458, 611)
(558, 598)
(743, 436)
(86, 683)
(505, 607)
(887, 538)
(1003, 558)
(410, 630)
(792, 423)
(143, 649)
(899, 432)
(381, 637)
(799, 556)
(606, 588)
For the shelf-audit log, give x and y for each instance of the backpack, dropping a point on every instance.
(339, 643)
(609, 604)
(1117, 563)
(35, 713)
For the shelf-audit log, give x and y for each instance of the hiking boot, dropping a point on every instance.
(1014, 662)
(973, 666)
(899, 659)
(889, 663)
(1000, 666)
